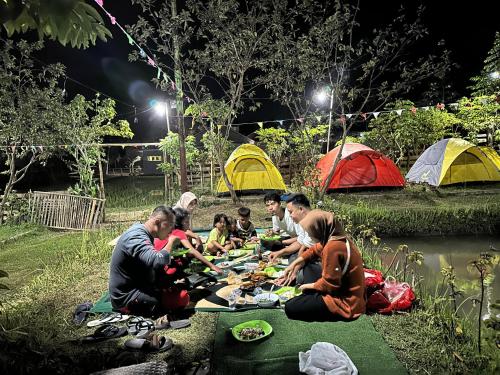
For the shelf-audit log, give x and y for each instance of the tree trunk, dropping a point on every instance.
(8, 187)
(102, 193)
(229, 185)
(334, 166)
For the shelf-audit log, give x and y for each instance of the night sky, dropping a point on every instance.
(468, 31)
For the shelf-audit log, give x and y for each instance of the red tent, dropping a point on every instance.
(359, 166)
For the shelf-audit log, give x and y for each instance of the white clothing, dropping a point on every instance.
(303, 237)
(285, 226)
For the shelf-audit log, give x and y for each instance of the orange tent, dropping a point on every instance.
(359, 166)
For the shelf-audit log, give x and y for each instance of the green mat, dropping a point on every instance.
(103, 305)
(279, 353)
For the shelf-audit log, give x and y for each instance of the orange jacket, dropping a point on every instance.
(343, 295)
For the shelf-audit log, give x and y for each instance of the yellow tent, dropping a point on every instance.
(454, 160)
(250, 169)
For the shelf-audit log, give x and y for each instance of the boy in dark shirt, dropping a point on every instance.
(233, 236)
(246, 230)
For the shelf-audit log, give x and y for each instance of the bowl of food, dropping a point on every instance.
(251, 266)
(252, 330)
(266, 299)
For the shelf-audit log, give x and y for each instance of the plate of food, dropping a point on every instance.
(251, 330)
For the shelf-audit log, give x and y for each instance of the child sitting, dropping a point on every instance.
(233, 237)
(246, 230)
(216, 241)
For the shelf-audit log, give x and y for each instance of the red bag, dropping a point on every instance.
(374, 280)
(394, 296)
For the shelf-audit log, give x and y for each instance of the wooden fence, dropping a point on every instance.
(65, 211)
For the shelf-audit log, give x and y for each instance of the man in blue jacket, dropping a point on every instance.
(133, 283)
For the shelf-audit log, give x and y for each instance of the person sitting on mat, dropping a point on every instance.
(246, 230)
(233, 236)
(179, 234)
(134, 287)
(216, 242)
(338, 291)
(283, 223)
(189, 202)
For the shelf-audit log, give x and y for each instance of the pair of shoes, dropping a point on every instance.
(151, 344)
(165, 322)
(105, 332)
(140, 327)
(107, 319)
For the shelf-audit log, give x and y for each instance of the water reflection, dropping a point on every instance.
(454, 251)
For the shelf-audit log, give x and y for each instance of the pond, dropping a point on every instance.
(454, 251)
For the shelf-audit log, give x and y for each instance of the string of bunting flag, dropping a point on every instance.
(342, 118)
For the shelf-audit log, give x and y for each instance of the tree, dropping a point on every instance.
(488, 82)
(317, 46)
(398, 136)
(206, 34)
(88, 122)
(31, 109)
(68, 21)
(275, 142)
(480, 114)
(170, 146)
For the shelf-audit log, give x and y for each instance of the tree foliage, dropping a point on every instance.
(31, 106)
(275, 142)
(488, 82)
(87, 123)
(479, 114)
(409, 133)
(170, 145)
(69, 21)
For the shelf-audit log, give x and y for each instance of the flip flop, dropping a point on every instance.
(151, 344)
(81, 312)
(105, 332)
(108, 318)
(142, 328)
(164, 322)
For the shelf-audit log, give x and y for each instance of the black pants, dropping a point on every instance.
(309, 306)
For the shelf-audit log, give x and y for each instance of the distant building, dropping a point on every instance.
(151, 158)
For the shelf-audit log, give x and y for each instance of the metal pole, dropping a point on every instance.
(166, 116)
(329, 122)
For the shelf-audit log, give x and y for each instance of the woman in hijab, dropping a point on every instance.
(188, 201)
(339, 292)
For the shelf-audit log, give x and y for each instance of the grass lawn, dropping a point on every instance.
(51, 272)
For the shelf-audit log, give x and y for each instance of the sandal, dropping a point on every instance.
(108, 318)
(151, 344)
(164, 322)
(142, 328)
(105, 332)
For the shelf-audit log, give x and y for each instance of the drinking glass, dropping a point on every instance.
(232, 298)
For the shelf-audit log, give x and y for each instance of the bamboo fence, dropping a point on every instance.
(65, 211)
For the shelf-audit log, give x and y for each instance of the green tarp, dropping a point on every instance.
(279, 353)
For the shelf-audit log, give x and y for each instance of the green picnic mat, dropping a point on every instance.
(279, 352)
(103, 305)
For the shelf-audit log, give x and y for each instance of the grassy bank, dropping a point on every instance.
(414, 211)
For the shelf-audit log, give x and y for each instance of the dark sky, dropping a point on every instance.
(468, 31)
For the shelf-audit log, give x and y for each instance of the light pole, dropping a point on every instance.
(321, 96)
(161, 108)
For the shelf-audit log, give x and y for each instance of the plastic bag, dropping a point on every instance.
(394, 296)
(374, 280)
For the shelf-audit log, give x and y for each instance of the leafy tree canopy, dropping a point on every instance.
(488, 82)
(67, 21)
(479, 114)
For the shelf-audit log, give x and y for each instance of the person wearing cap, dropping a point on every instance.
(338, 291)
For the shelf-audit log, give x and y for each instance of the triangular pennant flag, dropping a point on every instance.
(151, 61)
(440, 106)
(318, 118)
(172, 84)
(129, 38)
(301, 120)
(113, 19)
(349, 115)
(158, 74)
(100, 2)
(399, 111)
(375, 114)
(142, 53)
(261, 124)
(364, 116)
(281, 122)
(425, 108)
(454, 105)
(413, 110)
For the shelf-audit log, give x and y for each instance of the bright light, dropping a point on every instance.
(320, 96)
(161, 108)
(495, 75)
